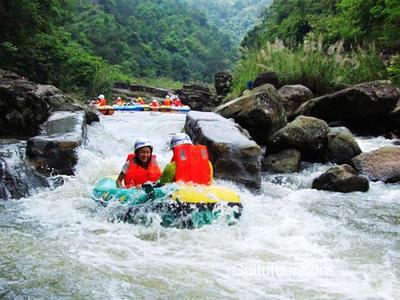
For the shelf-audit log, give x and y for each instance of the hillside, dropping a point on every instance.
(233, 17)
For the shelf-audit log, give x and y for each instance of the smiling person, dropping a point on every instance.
(140, 166)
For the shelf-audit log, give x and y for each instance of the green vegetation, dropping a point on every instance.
(233, 17)
(164, 82)
(87, 45)
(309, 65)
(325, 44)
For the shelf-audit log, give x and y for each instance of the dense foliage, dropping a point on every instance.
(347, 38)
(77, 44)
(356, 22)
(234, 17)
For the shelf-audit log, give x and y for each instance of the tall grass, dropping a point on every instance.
(321, 70)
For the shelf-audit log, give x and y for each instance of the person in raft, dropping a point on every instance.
(189, 163)
(140, 166)
(101, 100)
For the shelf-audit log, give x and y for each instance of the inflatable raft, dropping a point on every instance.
(183, 206)
(146, 107)
(107, 110)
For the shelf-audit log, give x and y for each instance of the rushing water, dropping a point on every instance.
(291, 242)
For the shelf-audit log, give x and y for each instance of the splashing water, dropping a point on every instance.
(291, 241)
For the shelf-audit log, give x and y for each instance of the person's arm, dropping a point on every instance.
(168, 174)
(119, 180)
(122, 175)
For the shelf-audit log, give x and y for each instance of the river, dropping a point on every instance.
(291, 242)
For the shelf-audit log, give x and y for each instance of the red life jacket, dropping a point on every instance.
(137, 175)
(192, 164)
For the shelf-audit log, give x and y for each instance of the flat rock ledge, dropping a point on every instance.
(54, 150)
(235, 157)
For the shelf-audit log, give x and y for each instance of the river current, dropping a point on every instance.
(291, 242)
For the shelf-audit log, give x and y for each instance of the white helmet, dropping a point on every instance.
(167, 97)
(180, 139)
(154, 100)
(119, 98)
(101, 96)
(141, 143)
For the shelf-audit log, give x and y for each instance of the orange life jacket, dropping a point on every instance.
(120, 102)
(137, 175)
(192, 164)
(140, 101)
(177, 102)
(101, 102)
(167, 102)
(154, 104)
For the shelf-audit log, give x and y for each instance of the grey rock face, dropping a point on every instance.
(234, 155)
(294, 96)
(380, 165)
(306, 134)
(259, 111)
(223, 82)
(54, 150)
(286, 161)
(359, 103)
(342, 179)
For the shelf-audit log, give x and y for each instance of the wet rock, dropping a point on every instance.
(394, 118)
(24, 105)
(17, 178)
(267, 77)
(342, 179)
(380, 165)
(341, 147)
(294, 96)
(259, 111)
(306, 134)
(360, 103)
(234, 155)
(197, 96)
(54, 150)
(286, 161)
(135, 90)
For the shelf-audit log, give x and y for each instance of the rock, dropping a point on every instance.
(234, 155)
(342, 179)
(135, 90)
(223, 83)
(394, 118)
(17, 178)
(260, 111)
(306, 134)
(54, 150)
(382, 164)
(197, 96)
(286, 161)
(341, 147)
(294, 96)
(25, 105)
(360, 103)
(267, 77)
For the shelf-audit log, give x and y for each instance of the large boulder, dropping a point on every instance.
(127, 90)
(260, 111)
(286, 161)
(234, 155)
(54, 150)
(306, 134)
(17, 178)
(223, 82)
(342, 179)
(380, 165)
(360, 103)
(24, 105)
(294, 96)
(341, 146)
(197, 96)
(267, 78)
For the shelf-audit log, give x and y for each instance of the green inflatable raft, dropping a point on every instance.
(182, 206)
